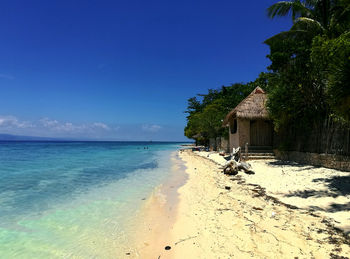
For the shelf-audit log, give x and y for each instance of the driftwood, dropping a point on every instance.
(233, 166)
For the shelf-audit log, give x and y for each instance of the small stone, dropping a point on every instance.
(167, 247)
(127, 253)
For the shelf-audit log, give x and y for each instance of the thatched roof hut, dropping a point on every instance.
(252, 107)
(249, 121)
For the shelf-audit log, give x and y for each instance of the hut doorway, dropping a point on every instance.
(260, 133)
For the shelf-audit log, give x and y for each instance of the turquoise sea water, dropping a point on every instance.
(75, 199)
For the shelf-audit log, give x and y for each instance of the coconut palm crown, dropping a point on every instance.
(330, 17)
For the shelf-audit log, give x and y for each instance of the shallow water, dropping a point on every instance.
(75, 199)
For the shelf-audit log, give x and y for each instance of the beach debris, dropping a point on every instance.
(233, 166)
(185, 239)
(127, 253)
(167, 248)
(230, 167)
(246, 167)
(273, 214)
(227, 187)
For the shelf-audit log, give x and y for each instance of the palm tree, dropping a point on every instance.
(314, 16)
(295, 7)
(292, 58)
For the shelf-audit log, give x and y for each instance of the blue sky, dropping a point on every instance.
(123, 70)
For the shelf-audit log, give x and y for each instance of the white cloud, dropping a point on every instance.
(101, 125)
(59, 126)
(71, 127)
(48, 127)
(11, 121)
(151, 127)
(51, 127)
(46, 122)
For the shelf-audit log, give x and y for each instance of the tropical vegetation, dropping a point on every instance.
(308, 80)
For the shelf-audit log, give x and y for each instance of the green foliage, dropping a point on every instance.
(329, 17)
(310, 66)
(309, 77)
(331, 57)
(211, 118)
(193, 105)
(206, 112)
(296, 7)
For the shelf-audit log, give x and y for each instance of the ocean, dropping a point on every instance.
(75, 199)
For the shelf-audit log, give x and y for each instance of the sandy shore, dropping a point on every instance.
(322, 190)
(157, 217)
(216, 216)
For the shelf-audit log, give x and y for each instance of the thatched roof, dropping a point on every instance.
(252, 107)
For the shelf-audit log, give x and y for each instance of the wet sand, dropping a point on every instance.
(157, 217)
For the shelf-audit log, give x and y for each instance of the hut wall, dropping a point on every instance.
(233, 139)
(243, 132)
(242, 136)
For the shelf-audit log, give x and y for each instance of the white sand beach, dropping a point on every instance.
(322, 190)
(220, 216)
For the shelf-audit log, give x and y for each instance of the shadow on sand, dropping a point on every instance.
(336, 186)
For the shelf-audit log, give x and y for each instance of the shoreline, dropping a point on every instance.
(215, 215)
(157, 216)
(230, 218)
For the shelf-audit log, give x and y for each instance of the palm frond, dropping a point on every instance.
(283, 8)
(307, 24)
(311, 3)
(341, 13)
(295, 34)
